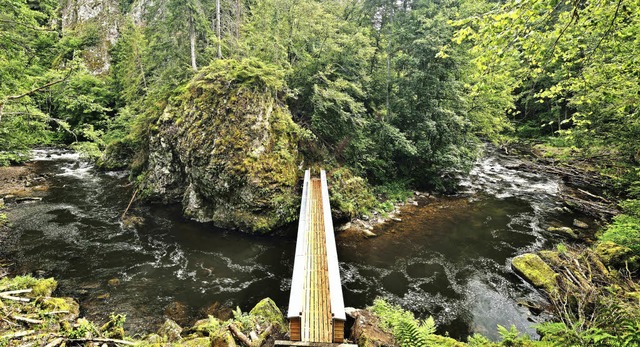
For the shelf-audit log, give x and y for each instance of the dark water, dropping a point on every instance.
(449, 257)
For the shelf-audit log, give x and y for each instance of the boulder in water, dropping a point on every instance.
(227, 149)
(533, 269)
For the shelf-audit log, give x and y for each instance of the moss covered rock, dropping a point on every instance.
(197, 342)
(269, 311)
(62, 304)
(227, 149)
(612, 253)
(39, 287)
(535, 270)
(170, 330)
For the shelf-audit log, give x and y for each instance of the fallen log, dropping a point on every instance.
(27, 320)
(96, 339)
(246, 340)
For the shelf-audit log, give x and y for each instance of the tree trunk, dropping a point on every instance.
(192, 39)
(218, 31)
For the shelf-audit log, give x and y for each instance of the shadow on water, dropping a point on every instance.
(448, 258)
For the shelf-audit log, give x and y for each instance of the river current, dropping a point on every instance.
(449, 257)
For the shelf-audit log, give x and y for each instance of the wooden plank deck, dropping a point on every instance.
(316, 308)
(316, 320)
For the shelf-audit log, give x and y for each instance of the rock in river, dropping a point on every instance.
(535, 270)
(227, 149)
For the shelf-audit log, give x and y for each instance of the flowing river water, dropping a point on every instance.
(449, 256)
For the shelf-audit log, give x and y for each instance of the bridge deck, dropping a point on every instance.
(316, 308)
(316, 321)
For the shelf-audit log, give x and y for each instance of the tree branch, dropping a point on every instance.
(32, 91)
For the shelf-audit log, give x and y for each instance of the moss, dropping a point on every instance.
(197, 342)
(236, 144)
(40, 287)
(269, 312)
(350, 195)
(170, 330)
(614, 254)
(444, 341)
(535, 270)
(209, 327)
(61, 304)
(566, 231)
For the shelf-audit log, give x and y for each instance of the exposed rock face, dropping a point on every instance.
(227, 149)
(99, 16)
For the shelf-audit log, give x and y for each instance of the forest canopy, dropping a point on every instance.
(394, 90)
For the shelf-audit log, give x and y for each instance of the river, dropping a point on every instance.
(449, 256)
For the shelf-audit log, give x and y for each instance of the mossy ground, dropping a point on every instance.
(30, 316)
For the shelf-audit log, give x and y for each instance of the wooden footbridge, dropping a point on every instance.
(316, 307)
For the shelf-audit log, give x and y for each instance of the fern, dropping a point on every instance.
(408, 334)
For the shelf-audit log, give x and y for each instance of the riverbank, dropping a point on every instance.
(30, 315)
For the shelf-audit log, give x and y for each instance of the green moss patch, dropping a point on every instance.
(535, 270)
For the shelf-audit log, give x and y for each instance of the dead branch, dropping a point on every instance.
(27, 320)
(55, 342)
(96, 339)
(32, 91)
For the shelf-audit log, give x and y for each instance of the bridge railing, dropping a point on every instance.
(297, 280)
(335, 284)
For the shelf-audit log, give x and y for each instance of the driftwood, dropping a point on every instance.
(96, 339)
(20, 291)
(17, 334)
(587, 204)
(14, 298)
(27, 320)
(249, 342)
(130, 202)
(56, 312)
(55, 342)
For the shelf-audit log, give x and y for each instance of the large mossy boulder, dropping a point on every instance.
(227, 149)
(533, 269)
(269, 311)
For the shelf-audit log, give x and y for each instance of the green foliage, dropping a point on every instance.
(625, 231)
(407, 330)
(82, 329)
(625, 228)
(565, 68)
(4, 220)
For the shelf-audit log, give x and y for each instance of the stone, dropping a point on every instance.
(268, 310)
(153, 339)
(227, 150)
(218, 311)
(368, 233)
(61, 304)
(44, 287)
(366, 331)
(170, 330)
(197, 342)
(566, 231)
(224, 340)
(113, 282)
(580, 224)
(177, 311)
(209, 327)
(345, 226)
(533, 269)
